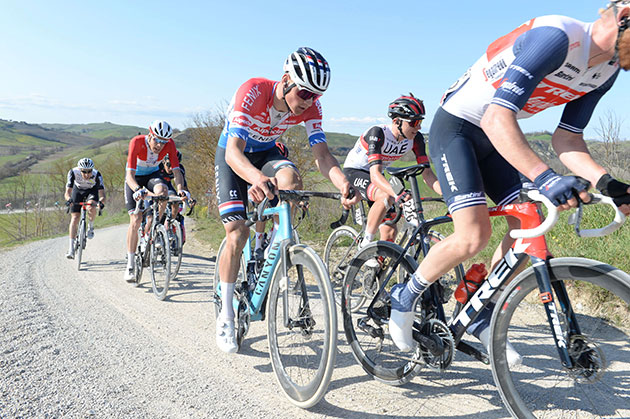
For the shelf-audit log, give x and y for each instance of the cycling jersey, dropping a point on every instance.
(77, 181)
(143, 161)
(378, 145)
(542, 63)
(252, 117)
(168, 177)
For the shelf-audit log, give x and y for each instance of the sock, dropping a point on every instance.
(71, 244)
(131, 258)
(227, 294)
(412, 290)
(91, 225)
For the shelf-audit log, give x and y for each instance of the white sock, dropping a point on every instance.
(71, 244)
(227, 294)
(131, 258)
(367, 239)
(91, 225)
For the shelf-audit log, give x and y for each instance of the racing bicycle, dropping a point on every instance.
(575, 356)
(80, 240)
(291, 290)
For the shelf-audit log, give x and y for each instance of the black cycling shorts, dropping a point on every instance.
(468, 166)
(231, 190)
(148, 181)
(83, 195)
(361, 181)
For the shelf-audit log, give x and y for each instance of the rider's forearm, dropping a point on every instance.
(573, 153)
(130, 180)
(101, 195)
(235, 158)
(68, 194)
(329, 166)
(378, 180)
(179, 180)
(501, 127)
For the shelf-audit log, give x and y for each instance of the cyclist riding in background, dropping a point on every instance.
(378, 148)
(146, 152)
(480, 149)
(166, 171)
(259, 113)
(84, 184)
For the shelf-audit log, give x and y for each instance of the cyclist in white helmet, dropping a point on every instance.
(146, 152)
(475, 137)
(84, 184)
(259, 113)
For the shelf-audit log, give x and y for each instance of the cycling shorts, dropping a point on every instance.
(360, 181)
(231, 190)
(148, 181)
(83, 195)
(468, 166)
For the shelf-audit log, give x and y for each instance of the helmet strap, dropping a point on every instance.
(400, 132)
(286, 89)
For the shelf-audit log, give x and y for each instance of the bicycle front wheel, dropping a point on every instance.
(597, 384)
(368, 335)
(341, 247)
(80, 242)
(160, 262)
(302, 327)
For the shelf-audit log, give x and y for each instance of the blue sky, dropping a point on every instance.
(134, 61)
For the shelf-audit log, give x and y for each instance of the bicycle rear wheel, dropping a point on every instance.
(175, 240)
(302, 351)
(541, 386)
(160, 262)
(80, 242)
(368, 336)
(341, 247)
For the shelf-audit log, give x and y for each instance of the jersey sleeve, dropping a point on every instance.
(70, 180)
(172, 154)
(374, 140)
(313, 124)
(538, 52)
(419, 149)
(132, 155)
(99, 181)
(577, 113)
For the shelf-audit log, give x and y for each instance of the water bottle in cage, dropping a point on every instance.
(469, 284)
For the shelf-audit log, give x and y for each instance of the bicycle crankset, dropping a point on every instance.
(588, 359)
(437, 345)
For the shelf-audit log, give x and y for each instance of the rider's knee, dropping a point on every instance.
(237, 234)
(288, 178)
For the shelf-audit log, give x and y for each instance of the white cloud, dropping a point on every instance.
(360, 120)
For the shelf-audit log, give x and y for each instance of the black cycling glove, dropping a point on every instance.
(558, 188)
(611, 187)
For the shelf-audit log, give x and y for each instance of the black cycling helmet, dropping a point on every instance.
(408, 108)
(167, 158)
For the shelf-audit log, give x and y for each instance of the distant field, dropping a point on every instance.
(98, 130)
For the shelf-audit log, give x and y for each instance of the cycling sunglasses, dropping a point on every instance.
(158, 140)
(86, 171)
(414, 123)
(305, 94)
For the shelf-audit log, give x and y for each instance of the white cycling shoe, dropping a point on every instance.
(226, 340)
(513, 357)
(90, 233)
(129, 276)
(70, 254)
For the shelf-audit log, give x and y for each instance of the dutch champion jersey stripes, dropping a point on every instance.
(542, 63)
(250, 116)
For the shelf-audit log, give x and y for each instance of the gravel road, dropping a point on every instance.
(87, 344)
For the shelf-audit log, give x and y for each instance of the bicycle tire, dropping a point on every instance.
(449, 281)
(138, 262)
(160, 262)
(371, 346)
(175, 237)
(341, 247)
(547, 388)
(216, 282)
(302, 356)
(80, 245)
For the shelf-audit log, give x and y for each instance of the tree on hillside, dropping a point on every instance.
(612, 156)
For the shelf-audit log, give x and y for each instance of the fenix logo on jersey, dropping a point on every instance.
(250, 97)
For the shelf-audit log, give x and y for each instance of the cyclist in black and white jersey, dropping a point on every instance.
(84, 184)
(480, 149)
(378, 148)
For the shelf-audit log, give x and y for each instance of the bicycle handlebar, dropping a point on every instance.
(552, 218)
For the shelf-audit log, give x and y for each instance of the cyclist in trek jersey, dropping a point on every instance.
(85, 184)
(378, 148)
(258, 114)
(479, 148)
(146, 152)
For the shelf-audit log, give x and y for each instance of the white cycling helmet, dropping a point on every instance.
(85, 163)
(308, 69)
(161, 129)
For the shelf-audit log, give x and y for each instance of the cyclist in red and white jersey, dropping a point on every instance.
(84, 184)
(378, 148)
(479, 148)
(146, 152)
(259, 113)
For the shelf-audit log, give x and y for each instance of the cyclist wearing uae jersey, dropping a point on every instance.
(480, 149)
(146, 152)
(85, 184)
(378, 148)
(259, 113)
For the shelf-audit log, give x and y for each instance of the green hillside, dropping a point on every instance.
(98, 130)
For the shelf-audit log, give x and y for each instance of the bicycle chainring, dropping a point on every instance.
(438, 330)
